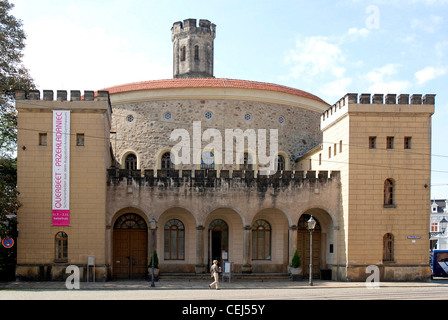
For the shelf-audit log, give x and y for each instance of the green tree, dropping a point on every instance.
(9, 204)
(296, 263)
(13, 76)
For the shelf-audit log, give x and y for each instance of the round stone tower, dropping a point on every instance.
(193, 48)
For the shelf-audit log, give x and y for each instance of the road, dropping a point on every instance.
(229, 291)
(194, 300)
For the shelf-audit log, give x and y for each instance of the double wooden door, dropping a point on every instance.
(130, 253)
(303, 247)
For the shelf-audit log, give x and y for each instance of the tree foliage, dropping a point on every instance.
(13, 76)
(296, 263)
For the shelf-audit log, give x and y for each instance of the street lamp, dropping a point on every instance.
(152, 226)
(311, 223)
(443, 224)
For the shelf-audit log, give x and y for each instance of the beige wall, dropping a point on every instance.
(363, 172)
(88, 163)
(348, 206)
(235, 202)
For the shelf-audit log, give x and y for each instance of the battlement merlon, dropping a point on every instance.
(190, 26)
(98, 101)
(378, 103)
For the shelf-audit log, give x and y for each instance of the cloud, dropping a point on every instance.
(314, 56)
(378, 74)
(429, 24)
(363, 32)
(381, 82)
(75, 57)
(441, 48)
(390, 86)
(428, 73)
(335, 89)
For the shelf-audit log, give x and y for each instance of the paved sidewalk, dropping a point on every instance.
(203, 285)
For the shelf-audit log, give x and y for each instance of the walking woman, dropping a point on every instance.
(215, 274)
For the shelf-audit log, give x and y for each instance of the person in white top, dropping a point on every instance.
(215, 274)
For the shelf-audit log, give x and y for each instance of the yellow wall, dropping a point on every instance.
(88, 164)
(365, 219)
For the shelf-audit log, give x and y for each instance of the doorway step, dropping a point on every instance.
(171, 276)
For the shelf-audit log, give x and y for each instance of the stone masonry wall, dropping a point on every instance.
(144, 128)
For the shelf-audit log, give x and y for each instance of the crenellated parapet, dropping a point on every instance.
(367, 102)
(189, 26)
(61, 95)
(202, 181)
(89, 100)
(193, 48)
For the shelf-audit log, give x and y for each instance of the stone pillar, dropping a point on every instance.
(247, 233)
(292, 243)
(200, 267)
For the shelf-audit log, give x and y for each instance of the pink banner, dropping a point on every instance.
(61, 217)
(61, 168)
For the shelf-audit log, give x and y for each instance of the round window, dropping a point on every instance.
(208, 115)
(167, 116)
(130, 118)
(247, 116)
(281, 120)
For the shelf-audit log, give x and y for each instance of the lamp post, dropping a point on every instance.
(443, 224)
(311, 223)
(152, 226)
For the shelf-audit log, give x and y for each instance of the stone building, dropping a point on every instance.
(360, 167)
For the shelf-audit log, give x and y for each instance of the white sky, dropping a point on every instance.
(328, 48)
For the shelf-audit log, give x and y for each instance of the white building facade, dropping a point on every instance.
(438, 225)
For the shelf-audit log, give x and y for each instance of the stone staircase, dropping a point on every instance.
(261, 277)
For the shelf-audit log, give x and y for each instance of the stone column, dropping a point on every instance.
(292, 243)
(247, 267)
(200, 267)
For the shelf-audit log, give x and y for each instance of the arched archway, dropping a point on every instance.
(130, 247)
(224, 236)
(218, 240)
(303, 245)
(324, 241)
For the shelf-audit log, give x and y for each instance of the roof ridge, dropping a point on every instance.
(209, 82)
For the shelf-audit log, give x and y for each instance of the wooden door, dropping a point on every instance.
(130, 247)
(130, 253)
(303, 247)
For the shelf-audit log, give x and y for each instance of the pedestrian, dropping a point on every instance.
(214, 270)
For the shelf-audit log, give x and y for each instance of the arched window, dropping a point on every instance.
(303, 225)
(166, 161)
(388, 247)
(196, 53)
(247, 162)
(61, 246)
(388, 192)
(174, 240)
(130, 221)
(208, 160)
(218, 240)
(261, 240)
(182, 53)
(280, 163)
(131, 162)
